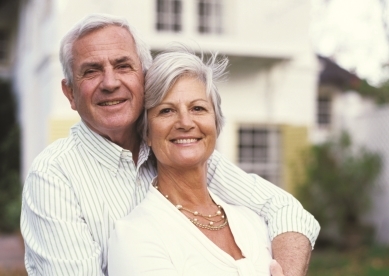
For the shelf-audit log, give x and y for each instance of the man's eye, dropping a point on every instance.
(124, 66)
(89, 71)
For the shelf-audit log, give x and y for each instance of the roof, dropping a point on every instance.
(333, 74)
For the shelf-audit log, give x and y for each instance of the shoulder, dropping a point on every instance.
(243, 214)
(53, 152)
(54, 156)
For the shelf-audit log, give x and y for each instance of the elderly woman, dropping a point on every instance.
(181, 228)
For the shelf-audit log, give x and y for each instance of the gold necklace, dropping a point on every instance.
(211, 223)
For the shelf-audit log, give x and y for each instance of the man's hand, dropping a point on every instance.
(276, 269)
(292, 251)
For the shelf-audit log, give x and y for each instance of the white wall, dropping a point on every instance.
(273, 71)
(371, 130)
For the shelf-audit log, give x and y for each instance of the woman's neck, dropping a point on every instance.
(185, 187)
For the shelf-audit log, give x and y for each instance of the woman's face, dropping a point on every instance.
(182, 129)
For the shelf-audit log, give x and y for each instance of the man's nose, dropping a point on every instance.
(110, 82)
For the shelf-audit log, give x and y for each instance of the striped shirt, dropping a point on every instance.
(79, 186)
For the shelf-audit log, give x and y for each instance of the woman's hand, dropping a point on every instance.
(276, 269)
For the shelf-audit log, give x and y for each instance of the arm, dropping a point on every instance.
(57, 239)
(282, 211)
(292, 251)
(276, 269)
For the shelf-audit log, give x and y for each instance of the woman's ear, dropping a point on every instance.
(148, 142)
(147, 137)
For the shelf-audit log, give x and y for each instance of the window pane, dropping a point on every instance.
(160, 6)
(177, 7)
(209, 16)
(259, 151)
(169, 14)
(246, 137)
(324, 110)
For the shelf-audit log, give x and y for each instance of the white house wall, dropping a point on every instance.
(371, 130)
(281, 92)
(273, 71)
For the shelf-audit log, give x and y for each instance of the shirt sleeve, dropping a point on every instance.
(57, 239)
(138, 251)
(282, 212)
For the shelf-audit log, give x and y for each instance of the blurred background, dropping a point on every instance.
(306, 103)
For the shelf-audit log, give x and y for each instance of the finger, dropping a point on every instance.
(276, 269)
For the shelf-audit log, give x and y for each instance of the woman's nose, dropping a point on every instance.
(185, 121)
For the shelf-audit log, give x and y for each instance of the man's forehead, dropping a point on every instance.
(113, 43)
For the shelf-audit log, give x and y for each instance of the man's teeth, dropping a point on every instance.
(110, 103)
(185, 141)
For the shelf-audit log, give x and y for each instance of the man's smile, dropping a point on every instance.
(108, 103)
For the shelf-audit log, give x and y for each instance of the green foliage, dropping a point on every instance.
(379, 94)
(336, 188)
(365, 261)
(10, 185)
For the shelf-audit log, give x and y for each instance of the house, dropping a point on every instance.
(268, 99)
(346, 102)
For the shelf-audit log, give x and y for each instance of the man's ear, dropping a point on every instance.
(68, 92)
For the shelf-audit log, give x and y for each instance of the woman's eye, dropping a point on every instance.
(165, 111)
(198, 108)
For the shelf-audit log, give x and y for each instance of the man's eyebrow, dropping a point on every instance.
(124, 59)
(90, 65)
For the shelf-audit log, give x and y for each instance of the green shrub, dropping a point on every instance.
(336, 189)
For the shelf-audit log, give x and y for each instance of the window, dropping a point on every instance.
(169, 13)
(324, 110)
(3, 46)
(209, 16)
(259, 151)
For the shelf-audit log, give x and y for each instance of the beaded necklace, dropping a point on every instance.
(213, 219)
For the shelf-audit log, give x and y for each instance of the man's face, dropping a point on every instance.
(108, 82)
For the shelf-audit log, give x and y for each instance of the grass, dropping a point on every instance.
(367, 261)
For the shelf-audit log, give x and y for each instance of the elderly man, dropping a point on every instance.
(79, 186)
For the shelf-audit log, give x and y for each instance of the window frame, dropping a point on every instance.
(324, 110)
(269, 164)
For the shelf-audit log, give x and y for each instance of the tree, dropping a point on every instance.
(10, 185)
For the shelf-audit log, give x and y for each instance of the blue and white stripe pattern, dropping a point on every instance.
(79, 186)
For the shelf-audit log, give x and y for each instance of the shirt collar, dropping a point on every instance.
(104, 151)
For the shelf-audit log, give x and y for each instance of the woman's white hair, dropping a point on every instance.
(174, 63)
(93, 22)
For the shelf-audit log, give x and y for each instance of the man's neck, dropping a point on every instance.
(129, 140)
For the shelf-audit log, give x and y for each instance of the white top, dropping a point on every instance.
(157, 239)
(79, 186)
